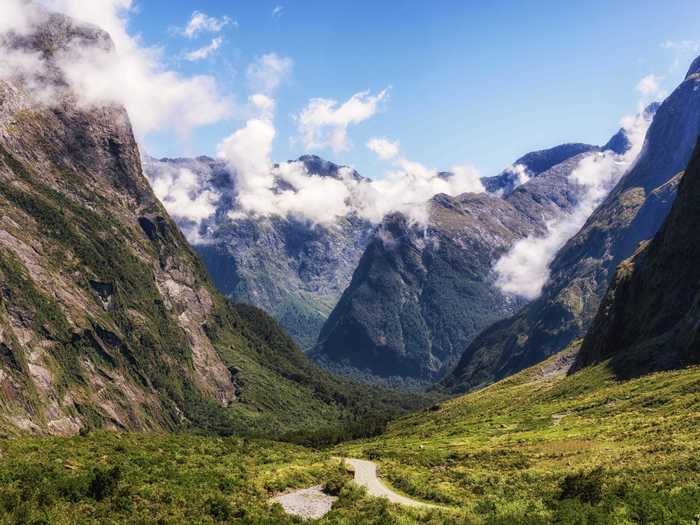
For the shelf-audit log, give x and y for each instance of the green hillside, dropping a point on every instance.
(541, 447)
(537, 448)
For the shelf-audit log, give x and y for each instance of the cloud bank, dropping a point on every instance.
(265, 189)
(524, 270)
(185, 193)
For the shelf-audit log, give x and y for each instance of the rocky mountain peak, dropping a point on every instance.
(316, 165)
(52, 33)
(694, 70)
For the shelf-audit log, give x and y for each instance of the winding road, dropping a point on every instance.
(366, 476)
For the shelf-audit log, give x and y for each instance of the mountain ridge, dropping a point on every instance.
(633, 212)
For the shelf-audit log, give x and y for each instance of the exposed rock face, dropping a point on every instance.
(582, 270)
(649, 319)
(107, 317)
(294, 270)
(421, 294)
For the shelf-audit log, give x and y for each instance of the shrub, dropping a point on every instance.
(104, 482)
(336, 480)
(586, 487)
(219, 508)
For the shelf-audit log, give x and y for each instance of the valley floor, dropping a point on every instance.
(536, 448)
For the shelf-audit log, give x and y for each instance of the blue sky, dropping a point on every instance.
(470, 82)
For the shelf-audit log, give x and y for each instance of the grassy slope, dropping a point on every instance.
(502, 454)
(623, 453)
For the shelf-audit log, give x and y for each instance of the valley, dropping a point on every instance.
(229, 339)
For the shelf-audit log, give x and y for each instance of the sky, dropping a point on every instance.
(466, 82)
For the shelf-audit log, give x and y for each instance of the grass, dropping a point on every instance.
(535, 449)
(531, 449)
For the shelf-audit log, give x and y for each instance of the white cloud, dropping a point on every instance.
(202, 23)
(16, 16)
(520, 172)
(651, 90)
(268, 72)
(524, 270)
(406, 189)
(385, 149)
(130, 75)
(277, 11)
(323, 123)
(206, 51)
(184, 194)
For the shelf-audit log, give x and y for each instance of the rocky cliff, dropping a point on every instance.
(649, 319)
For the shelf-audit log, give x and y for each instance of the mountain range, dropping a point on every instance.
(582, 270)
(312, 278)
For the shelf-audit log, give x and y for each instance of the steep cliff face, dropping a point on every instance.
(649, 319)
(107, 317)
(582, 270)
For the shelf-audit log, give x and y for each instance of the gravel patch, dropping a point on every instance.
(310, 503)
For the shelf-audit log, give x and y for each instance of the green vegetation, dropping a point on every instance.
(150, 479)
(533, 449)
(545, 448)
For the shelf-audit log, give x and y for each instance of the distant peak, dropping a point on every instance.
(694, 69)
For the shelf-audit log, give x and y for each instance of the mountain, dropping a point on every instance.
(291, 268)
(422, 293)
(649, 320)
(535, 163)
(107, 317)
(633, 212)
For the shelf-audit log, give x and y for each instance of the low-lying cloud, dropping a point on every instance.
(524, 270)
(185, 193)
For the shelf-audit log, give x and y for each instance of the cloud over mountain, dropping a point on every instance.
(524, 270)
(128, 74)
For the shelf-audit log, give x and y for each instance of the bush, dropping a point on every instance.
(219, 508)
(104, 483)
(586, 487)
(336, 480)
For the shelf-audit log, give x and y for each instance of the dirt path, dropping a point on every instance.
(366, 476)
